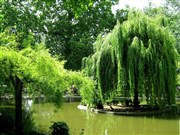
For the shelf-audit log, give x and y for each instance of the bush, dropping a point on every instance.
(60, 128)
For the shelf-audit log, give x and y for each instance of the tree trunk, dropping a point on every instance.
(136, 101)
(18, 106)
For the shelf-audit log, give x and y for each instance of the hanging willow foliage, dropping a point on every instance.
(137, 58)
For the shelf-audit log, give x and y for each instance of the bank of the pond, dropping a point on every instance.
(129, 111)
(72, 98)
(67, 98)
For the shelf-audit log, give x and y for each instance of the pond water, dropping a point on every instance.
(103, 124)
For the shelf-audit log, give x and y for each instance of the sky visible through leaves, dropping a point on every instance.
(140, 4)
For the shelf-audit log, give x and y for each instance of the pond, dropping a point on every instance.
(103, 124)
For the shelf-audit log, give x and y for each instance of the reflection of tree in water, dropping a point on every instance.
(93, 123)
(110, 124)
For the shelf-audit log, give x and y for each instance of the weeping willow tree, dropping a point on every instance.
(137, 58)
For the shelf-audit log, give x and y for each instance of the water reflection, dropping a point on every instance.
(28, 104)
(102, 124)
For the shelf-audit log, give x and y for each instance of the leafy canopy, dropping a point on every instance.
(38, 70)
(68, 28)
(137, 58)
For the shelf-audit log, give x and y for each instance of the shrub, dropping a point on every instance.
(60, 128)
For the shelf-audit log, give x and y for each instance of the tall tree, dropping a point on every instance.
(35, 70)
(68, 27)
(137, 58)
(74, 38)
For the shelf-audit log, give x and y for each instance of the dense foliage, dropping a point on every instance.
(137, 58)
(60, 128)
(35, 71)
(68, 28)
(171, 12)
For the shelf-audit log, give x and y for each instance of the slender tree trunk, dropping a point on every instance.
(18, 106)
(136, 101)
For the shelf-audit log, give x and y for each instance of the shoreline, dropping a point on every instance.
(125, 113)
